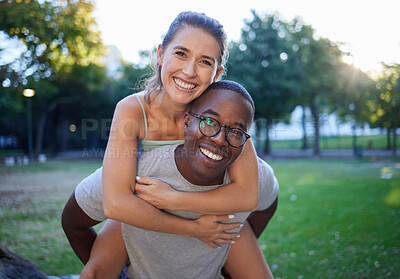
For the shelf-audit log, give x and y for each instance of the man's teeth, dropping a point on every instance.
(184, 84)
(211, 155)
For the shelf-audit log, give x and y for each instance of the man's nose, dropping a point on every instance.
(220, 138)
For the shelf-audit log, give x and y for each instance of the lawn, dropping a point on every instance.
(341, 142)
(334, 220)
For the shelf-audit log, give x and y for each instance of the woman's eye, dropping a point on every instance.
(206, 62)
(180, 53)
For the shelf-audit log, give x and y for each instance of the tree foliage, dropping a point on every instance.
(264, 61)
(60, 53)
(385, 105)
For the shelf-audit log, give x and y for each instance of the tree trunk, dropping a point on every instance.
(394, 150)
(354, 142)
(40, 131)
(267, 148)
(54, 131)
(304, 127)
(388, 145)
(257, 139)
(314, 113)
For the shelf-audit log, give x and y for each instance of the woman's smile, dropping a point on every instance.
(183, 84)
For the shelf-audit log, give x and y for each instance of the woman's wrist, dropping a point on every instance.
(175, 201)
(190, 228)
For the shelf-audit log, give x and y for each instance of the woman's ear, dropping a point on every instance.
(160, 55)
(218, 73)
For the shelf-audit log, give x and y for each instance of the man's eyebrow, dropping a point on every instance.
(188, 50)
(210, 111)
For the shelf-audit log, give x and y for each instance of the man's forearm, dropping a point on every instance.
(78, 227)
(81, 242)
(258, 220)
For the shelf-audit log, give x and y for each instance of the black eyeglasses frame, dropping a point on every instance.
(201, 117)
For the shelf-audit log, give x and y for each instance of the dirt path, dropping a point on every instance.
(17, 188)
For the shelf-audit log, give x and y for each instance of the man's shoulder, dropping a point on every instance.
(160, 157)
(162, 152)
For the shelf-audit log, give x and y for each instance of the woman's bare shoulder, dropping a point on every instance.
(129, 114)
(130, 106)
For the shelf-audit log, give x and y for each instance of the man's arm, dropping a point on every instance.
(258, 220)
(78, 227)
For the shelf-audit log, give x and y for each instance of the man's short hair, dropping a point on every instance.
(235, 87)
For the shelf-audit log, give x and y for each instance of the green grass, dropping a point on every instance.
(342, 142)
(334, 219)
(31, 201)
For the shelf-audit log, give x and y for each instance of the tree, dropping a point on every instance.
(350, 100)
(264, 61)
(319, 59)
(385, 107)
(57, 40)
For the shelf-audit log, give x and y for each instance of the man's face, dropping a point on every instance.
(209, 157)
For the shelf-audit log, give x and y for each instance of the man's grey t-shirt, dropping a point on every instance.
(160, 255)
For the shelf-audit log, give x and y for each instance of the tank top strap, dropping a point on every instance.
(144, 115)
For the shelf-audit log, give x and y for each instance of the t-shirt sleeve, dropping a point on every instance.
(268, 185)
(89, 195)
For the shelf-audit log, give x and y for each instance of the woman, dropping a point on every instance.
(190, 58)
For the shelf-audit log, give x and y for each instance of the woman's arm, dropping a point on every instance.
(241, 195)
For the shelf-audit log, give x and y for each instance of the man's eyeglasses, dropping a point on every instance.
(210, 127)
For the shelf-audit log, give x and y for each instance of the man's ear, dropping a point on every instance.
(218, 73)
(160, 55)
(186, 119)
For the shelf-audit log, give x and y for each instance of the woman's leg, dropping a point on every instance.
(108, 256)
(245, 258)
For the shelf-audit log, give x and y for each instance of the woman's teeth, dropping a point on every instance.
(211, 155)
(184, 85)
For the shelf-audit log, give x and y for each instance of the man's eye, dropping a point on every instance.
(210, 122)
(236, 133)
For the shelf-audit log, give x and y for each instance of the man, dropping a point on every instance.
(216, 129)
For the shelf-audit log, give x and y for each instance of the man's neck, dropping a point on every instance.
(183, 164)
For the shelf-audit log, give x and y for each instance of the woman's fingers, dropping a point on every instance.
(226, 217)
(230, 226)
(144, 180)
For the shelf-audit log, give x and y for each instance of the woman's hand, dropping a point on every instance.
(155, 192)
(214, 233)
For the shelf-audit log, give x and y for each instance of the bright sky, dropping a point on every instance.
(370, 27)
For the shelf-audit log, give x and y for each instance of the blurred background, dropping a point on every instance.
(317, 85)
(325, 78)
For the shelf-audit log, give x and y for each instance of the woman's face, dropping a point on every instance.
(189, 64)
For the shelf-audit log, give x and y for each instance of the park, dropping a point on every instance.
(338, 210)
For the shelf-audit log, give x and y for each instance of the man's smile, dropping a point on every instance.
(211, 155)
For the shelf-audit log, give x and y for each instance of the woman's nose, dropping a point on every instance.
(190, 69)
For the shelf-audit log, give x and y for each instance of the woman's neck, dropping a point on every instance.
(171, 109)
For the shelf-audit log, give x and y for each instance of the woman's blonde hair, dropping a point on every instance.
(199, 20)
